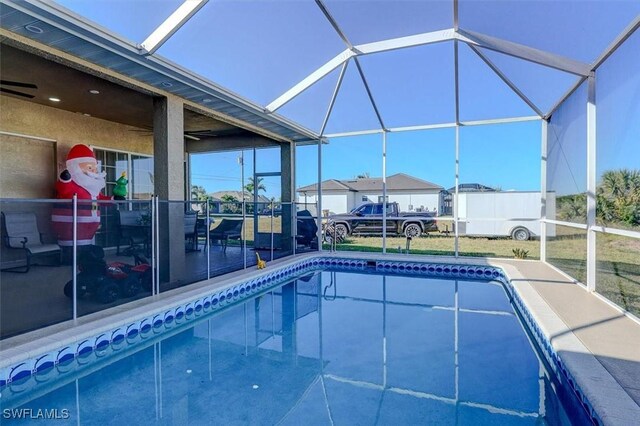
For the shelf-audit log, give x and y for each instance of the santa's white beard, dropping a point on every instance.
(92, 182)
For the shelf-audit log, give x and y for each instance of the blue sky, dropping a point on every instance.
(259, 49)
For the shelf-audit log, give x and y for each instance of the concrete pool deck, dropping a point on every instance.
(599, 344)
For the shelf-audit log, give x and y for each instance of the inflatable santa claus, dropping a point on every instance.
(83, 178)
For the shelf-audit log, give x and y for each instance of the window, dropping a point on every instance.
(365, 198)
(366, 209)
(139, 169)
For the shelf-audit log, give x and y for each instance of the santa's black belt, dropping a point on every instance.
(81, 206)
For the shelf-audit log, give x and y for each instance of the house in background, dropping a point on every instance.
(340, 196)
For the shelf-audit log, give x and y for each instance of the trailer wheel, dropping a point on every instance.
(520, 234)
(412, 230)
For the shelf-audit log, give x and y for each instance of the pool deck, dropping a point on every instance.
(597, 342)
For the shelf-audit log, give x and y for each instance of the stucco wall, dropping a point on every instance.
(68, 129)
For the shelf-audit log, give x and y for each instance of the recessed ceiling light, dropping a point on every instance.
(94, 92)
(52, 99)
(33, 29)
(207, 100)
(262, 122)
(166, 84)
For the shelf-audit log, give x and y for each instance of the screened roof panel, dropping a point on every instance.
(409, 88)
(133, 20)
(310, 107)
(483, 95)
(580, 30)
(366, 21)
(352, 110)
(256, 49)
(544, 86)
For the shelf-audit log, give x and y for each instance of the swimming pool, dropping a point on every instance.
(381, 345)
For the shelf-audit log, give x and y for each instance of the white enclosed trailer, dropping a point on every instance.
(514, 214)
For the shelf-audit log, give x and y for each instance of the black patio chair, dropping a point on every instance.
(227, 229)
(133, 229)
(191, 230)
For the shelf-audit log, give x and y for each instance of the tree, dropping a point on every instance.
(230, 204)
(572, 207)
(198, 193)
(618, 197)
(251, 185)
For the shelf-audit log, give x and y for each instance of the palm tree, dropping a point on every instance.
(198, 193)
(249, 187)
(572, 207)
(618, 196)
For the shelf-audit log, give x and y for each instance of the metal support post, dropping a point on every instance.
(319, 200)
(75, 256)
(157, 248)
(591, 183)
(271, 225)
(294, 223)
(208, 225)
(456, 203)
(244, 212)
(384, 191)
(543, 192)
(154, 265)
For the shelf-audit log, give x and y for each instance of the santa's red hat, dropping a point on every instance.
(80, 154)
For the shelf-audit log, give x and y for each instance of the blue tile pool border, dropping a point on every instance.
(32, 372)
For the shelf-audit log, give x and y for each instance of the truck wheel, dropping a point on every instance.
(520, 234)
(341, 232)
(412, 230)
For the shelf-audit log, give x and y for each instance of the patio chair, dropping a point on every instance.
(190, 229)
(132, 229)
(307, 229)
(228, 229)
(21, 233)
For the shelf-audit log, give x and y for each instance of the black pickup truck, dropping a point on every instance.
(367, 220)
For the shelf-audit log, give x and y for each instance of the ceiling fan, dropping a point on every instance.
(17, 84)
(149, 132)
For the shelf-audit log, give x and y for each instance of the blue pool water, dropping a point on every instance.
(331, 347)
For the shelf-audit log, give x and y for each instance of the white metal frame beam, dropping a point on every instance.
(363, 49)
(474, 40)
(366, 86)
(624, 35)
(434, 126)
(524, 52)
(506, 80)
(333, 99)
(309, 81)
(404, 42)
(333, 23)
(172, 24)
